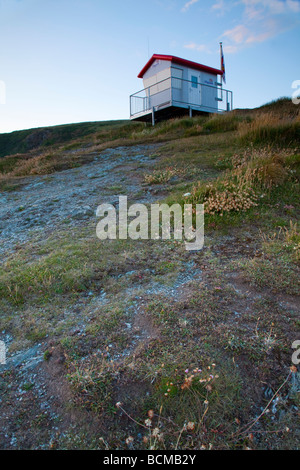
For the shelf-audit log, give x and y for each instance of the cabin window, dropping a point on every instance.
(177, 77)
(194, 81)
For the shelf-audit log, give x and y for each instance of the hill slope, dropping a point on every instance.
(30, 139)
(142, 344)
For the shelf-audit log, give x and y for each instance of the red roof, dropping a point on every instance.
(178, 60)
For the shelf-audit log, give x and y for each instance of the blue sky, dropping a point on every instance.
(66, 61)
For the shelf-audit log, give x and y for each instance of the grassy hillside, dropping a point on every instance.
(146, 345)
(46, 150)
(43, 137)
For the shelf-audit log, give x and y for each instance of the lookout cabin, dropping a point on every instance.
(175, 87)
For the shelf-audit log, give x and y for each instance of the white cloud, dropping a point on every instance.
(257, 21)
(252, 11)
(219, 5)
(255, 8)
(197, 47)
(230, 49)
(238, 34)
(260, 21)
(276, 7)
(293, 5)
(188, 5)
(259, 37)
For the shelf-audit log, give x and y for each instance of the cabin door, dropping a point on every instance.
(194, 88)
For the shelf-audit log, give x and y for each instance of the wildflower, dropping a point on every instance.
(129, 440)
(155, 432)
(148, 422)
(190, 426)
(118, 404)
(151, 413)
(187, 382)
(205, 402)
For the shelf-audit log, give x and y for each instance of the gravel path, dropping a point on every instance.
(72, 196)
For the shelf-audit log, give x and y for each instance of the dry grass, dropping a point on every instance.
(166, 175)
(238, 189)
(284, 239)
(270, 128)
(151, 365)
(266, 125)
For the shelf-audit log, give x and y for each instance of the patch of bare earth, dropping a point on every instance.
(202, 299)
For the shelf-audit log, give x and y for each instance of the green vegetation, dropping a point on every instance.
(150, 346)
(27, 140)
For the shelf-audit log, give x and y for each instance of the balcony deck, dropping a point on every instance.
(177, 97)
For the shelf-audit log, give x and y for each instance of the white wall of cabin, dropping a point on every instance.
(176, 92)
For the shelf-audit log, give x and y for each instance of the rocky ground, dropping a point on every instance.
(38, 208)
(45, 202)
(38, 409)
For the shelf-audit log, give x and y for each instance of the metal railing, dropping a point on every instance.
(182, 93)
